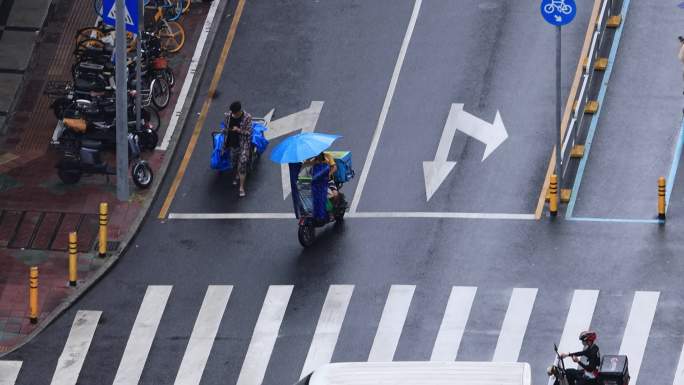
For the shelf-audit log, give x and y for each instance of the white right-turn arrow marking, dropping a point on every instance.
(491, 134)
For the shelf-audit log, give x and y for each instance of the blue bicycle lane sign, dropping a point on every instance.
(558, 12)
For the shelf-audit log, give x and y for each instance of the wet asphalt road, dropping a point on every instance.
(489, 55)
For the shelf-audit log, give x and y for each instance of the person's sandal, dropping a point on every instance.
(242, 193)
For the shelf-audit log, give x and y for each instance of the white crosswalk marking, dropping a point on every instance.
(679, 372)
(76, 347)
(203, 335)
(453, 323)
(579, 319)
(9, 371)
(328, 327)
(637, 330)
(142, 334)
(265, 335)
(514, 325)
(391, 323)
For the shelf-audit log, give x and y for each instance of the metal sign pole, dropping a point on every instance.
(559, 153)
(138, 55)
(121, 105)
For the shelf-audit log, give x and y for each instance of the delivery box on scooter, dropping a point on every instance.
(613, 370)
(343, 160)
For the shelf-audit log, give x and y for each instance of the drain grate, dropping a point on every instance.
(41, 230)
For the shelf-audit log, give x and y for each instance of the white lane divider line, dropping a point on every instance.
(391, 323)
(76, 347)
(203, 335)
(514, 325)
(385, 106)
(196, 57)
(265, 335)
(375, 215)
(9, 371)
(579, 319)
(453, 323)
(142, 335)
(637, 330)
(328, 327)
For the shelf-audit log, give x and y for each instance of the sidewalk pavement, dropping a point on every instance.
(37, 211)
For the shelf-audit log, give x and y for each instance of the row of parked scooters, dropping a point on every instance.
(86, 106)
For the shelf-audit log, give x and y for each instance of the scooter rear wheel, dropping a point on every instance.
(69, 176)
(306, 235)
(142, 175)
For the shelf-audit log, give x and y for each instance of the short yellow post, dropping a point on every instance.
(553, 195)
(73, 258)
(102, 242)
(33, 294)
(661, 198)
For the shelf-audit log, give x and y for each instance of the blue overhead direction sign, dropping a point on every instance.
(130, 17)
(558, 12)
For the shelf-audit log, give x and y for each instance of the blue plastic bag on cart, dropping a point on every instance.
(218, 162)
(258, 138)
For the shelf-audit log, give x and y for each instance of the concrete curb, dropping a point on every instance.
(142, 216)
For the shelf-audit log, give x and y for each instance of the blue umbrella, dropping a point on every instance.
(300, 147)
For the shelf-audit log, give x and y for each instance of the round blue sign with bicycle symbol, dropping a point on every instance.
(558, 12)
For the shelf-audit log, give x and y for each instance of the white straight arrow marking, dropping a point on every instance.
(304, 120)
(491, 134)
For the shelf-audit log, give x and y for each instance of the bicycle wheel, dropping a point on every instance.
(161, 93)
(91, 43)
(174, 10)
(88, 33)
(172, 36)
(186, 6)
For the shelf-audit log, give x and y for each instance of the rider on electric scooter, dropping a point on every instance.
(588, 359)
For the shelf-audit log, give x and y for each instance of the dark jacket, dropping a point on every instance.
(592, 359)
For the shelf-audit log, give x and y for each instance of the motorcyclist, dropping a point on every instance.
(588, 359)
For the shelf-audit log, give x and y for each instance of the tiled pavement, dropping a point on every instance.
(36, 210)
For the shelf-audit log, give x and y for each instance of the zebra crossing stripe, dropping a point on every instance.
(142, 334)
(514, 325)
(579, 319)
(391, 323)
(76, 347)
(203, 335)
(637, 330)
(679, 373)
(453, 323)
(265, 335)
(328, 327)
(9, 371)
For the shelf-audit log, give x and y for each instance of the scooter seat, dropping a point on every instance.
(92, 144)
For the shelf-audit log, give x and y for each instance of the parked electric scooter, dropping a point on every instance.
(83, 157)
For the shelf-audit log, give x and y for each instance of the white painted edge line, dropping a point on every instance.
(391, 323)
(453, 323)
(76, 347)
(196, 57)
(9, 371)
(638, 329)
(380, 215)
(385, 106)
(328, 328)
(203, 335)
(142, 335)
(514, 325)
(579, 319)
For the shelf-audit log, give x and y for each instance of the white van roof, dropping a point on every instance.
(423, 373)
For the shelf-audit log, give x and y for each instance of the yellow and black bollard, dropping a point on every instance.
(553, 195)
(33, 294)
(102, 241)
(73, 258)
(661, 198)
